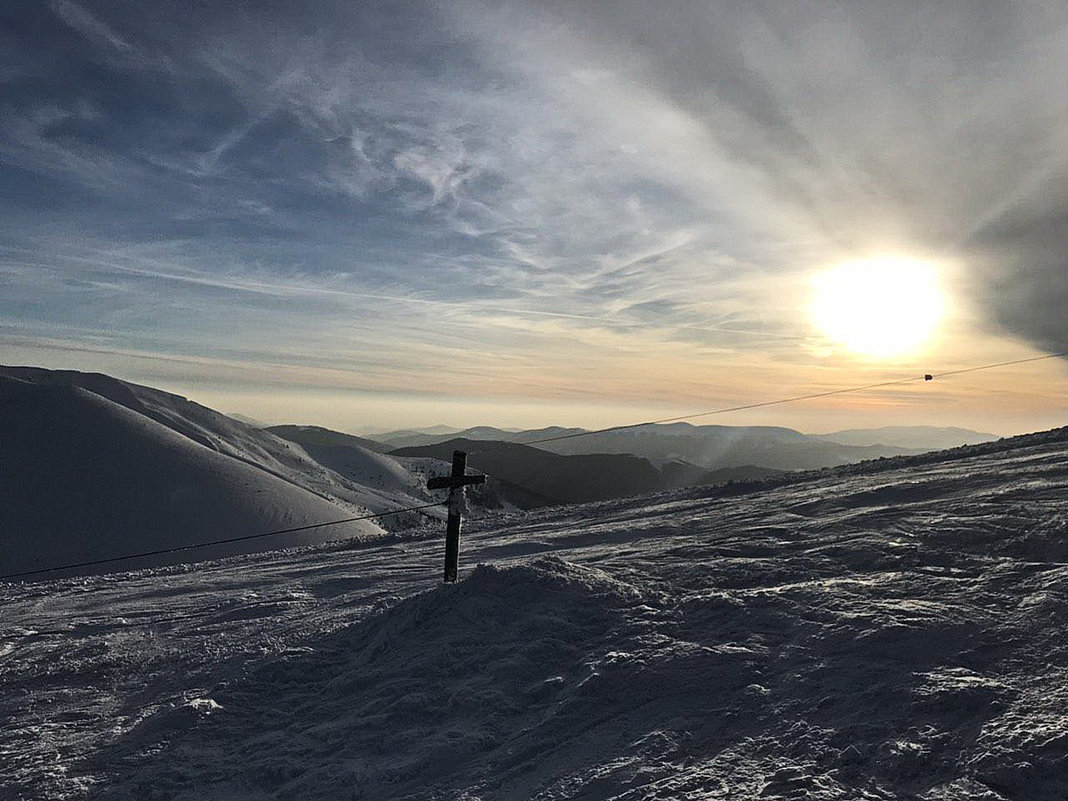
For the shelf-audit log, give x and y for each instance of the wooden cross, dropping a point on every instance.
(455, 483)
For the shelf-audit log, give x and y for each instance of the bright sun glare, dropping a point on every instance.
(884, 307)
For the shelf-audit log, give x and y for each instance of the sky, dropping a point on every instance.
(382, 215)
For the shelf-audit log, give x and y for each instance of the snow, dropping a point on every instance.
(96, 468)
(888, 631)
(86, 478)
(359, 489)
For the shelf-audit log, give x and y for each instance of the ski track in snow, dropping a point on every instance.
(894, 632)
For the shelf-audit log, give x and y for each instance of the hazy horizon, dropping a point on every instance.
(362, 414)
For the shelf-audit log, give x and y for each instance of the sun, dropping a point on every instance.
(883, 308)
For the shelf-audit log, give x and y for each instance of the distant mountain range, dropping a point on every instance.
(581, 478)
(528, 472)
(376, 434)
(920, 438)
(715, 447)
(324, 440)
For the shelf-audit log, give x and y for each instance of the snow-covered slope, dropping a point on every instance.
(357, 490)
(354, 492)
(890, 631)
(85, 479)
(354, 458)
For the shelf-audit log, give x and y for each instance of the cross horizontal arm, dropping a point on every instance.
(449, 482)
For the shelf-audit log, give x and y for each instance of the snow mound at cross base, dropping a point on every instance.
(443, 689)
(546, 580)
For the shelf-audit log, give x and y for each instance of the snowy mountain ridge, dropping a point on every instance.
(98, 468)
(228, 436)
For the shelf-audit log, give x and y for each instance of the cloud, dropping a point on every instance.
(544, 180)
(1023, 253)
(821, 132)
(92, 28)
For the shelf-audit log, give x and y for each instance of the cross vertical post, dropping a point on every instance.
(455, 483)
(452, 532)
